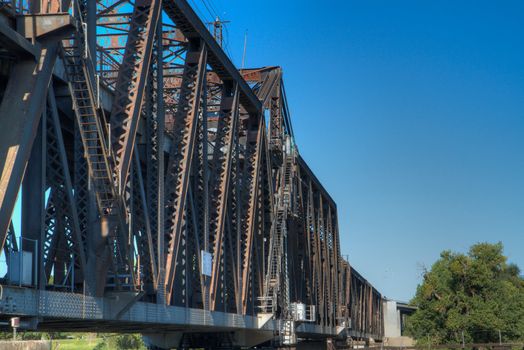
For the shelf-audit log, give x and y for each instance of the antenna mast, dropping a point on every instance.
(218, 26)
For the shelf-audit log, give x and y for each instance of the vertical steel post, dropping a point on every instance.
(91, 30)
(161, 261)
(33, 198)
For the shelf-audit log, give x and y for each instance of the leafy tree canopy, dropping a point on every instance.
(476, 294)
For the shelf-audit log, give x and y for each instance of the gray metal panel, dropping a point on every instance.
(70, 306)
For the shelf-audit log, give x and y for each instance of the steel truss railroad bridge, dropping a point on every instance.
(159, 187)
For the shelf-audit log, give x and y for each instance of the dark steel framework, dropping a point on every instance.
(140, 151)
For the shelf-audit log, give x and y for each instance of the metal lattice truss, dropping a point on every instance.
(146, 166)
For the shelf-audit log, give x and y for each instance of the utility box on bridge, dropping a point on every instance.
(302, 312)
(207, 263)
(20, 270)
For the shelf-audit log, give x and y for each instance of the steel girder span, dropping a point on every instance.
(149, 186)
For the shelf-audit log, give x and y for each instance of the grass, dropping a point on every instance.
(75, 344)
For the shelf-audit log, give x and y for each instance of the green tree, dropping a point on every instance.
(476, 295)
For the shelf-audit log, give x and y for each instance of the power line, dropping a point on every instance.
(226, 43)
(218, 26)
(208, 10)
(218, 33)
(197, 9)
(210, 2)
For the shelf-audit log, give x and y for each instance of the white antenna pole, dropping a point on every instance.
(244, 54)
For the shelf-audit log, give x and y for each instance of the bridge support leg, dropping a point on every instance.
(21, 109)
(103, 253)
(162, 340)
(185, 343)
(33, 200)
(24, 100)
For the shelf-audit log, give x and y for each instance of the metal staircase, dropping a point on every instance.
(95, 135)
(287, 332)
(91, 130)
(274, 276)
(276, 285)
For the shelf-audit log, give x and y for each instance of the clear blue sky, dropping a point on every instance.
(411, 113)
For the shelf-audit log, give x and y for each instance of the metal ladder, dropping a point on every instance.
(94, 135)
(91, 131)
(288, 177)
(272, 281)
(273, 275)
(287, 333)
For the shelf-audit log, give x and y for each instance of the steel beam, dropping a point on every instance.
(251, 209)
(64, 185)
(16, 43)
(21, 109)
(45, 26)
(181, 155)
(33, 199)
(223, 149)
(181, 13)
(130, 84)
